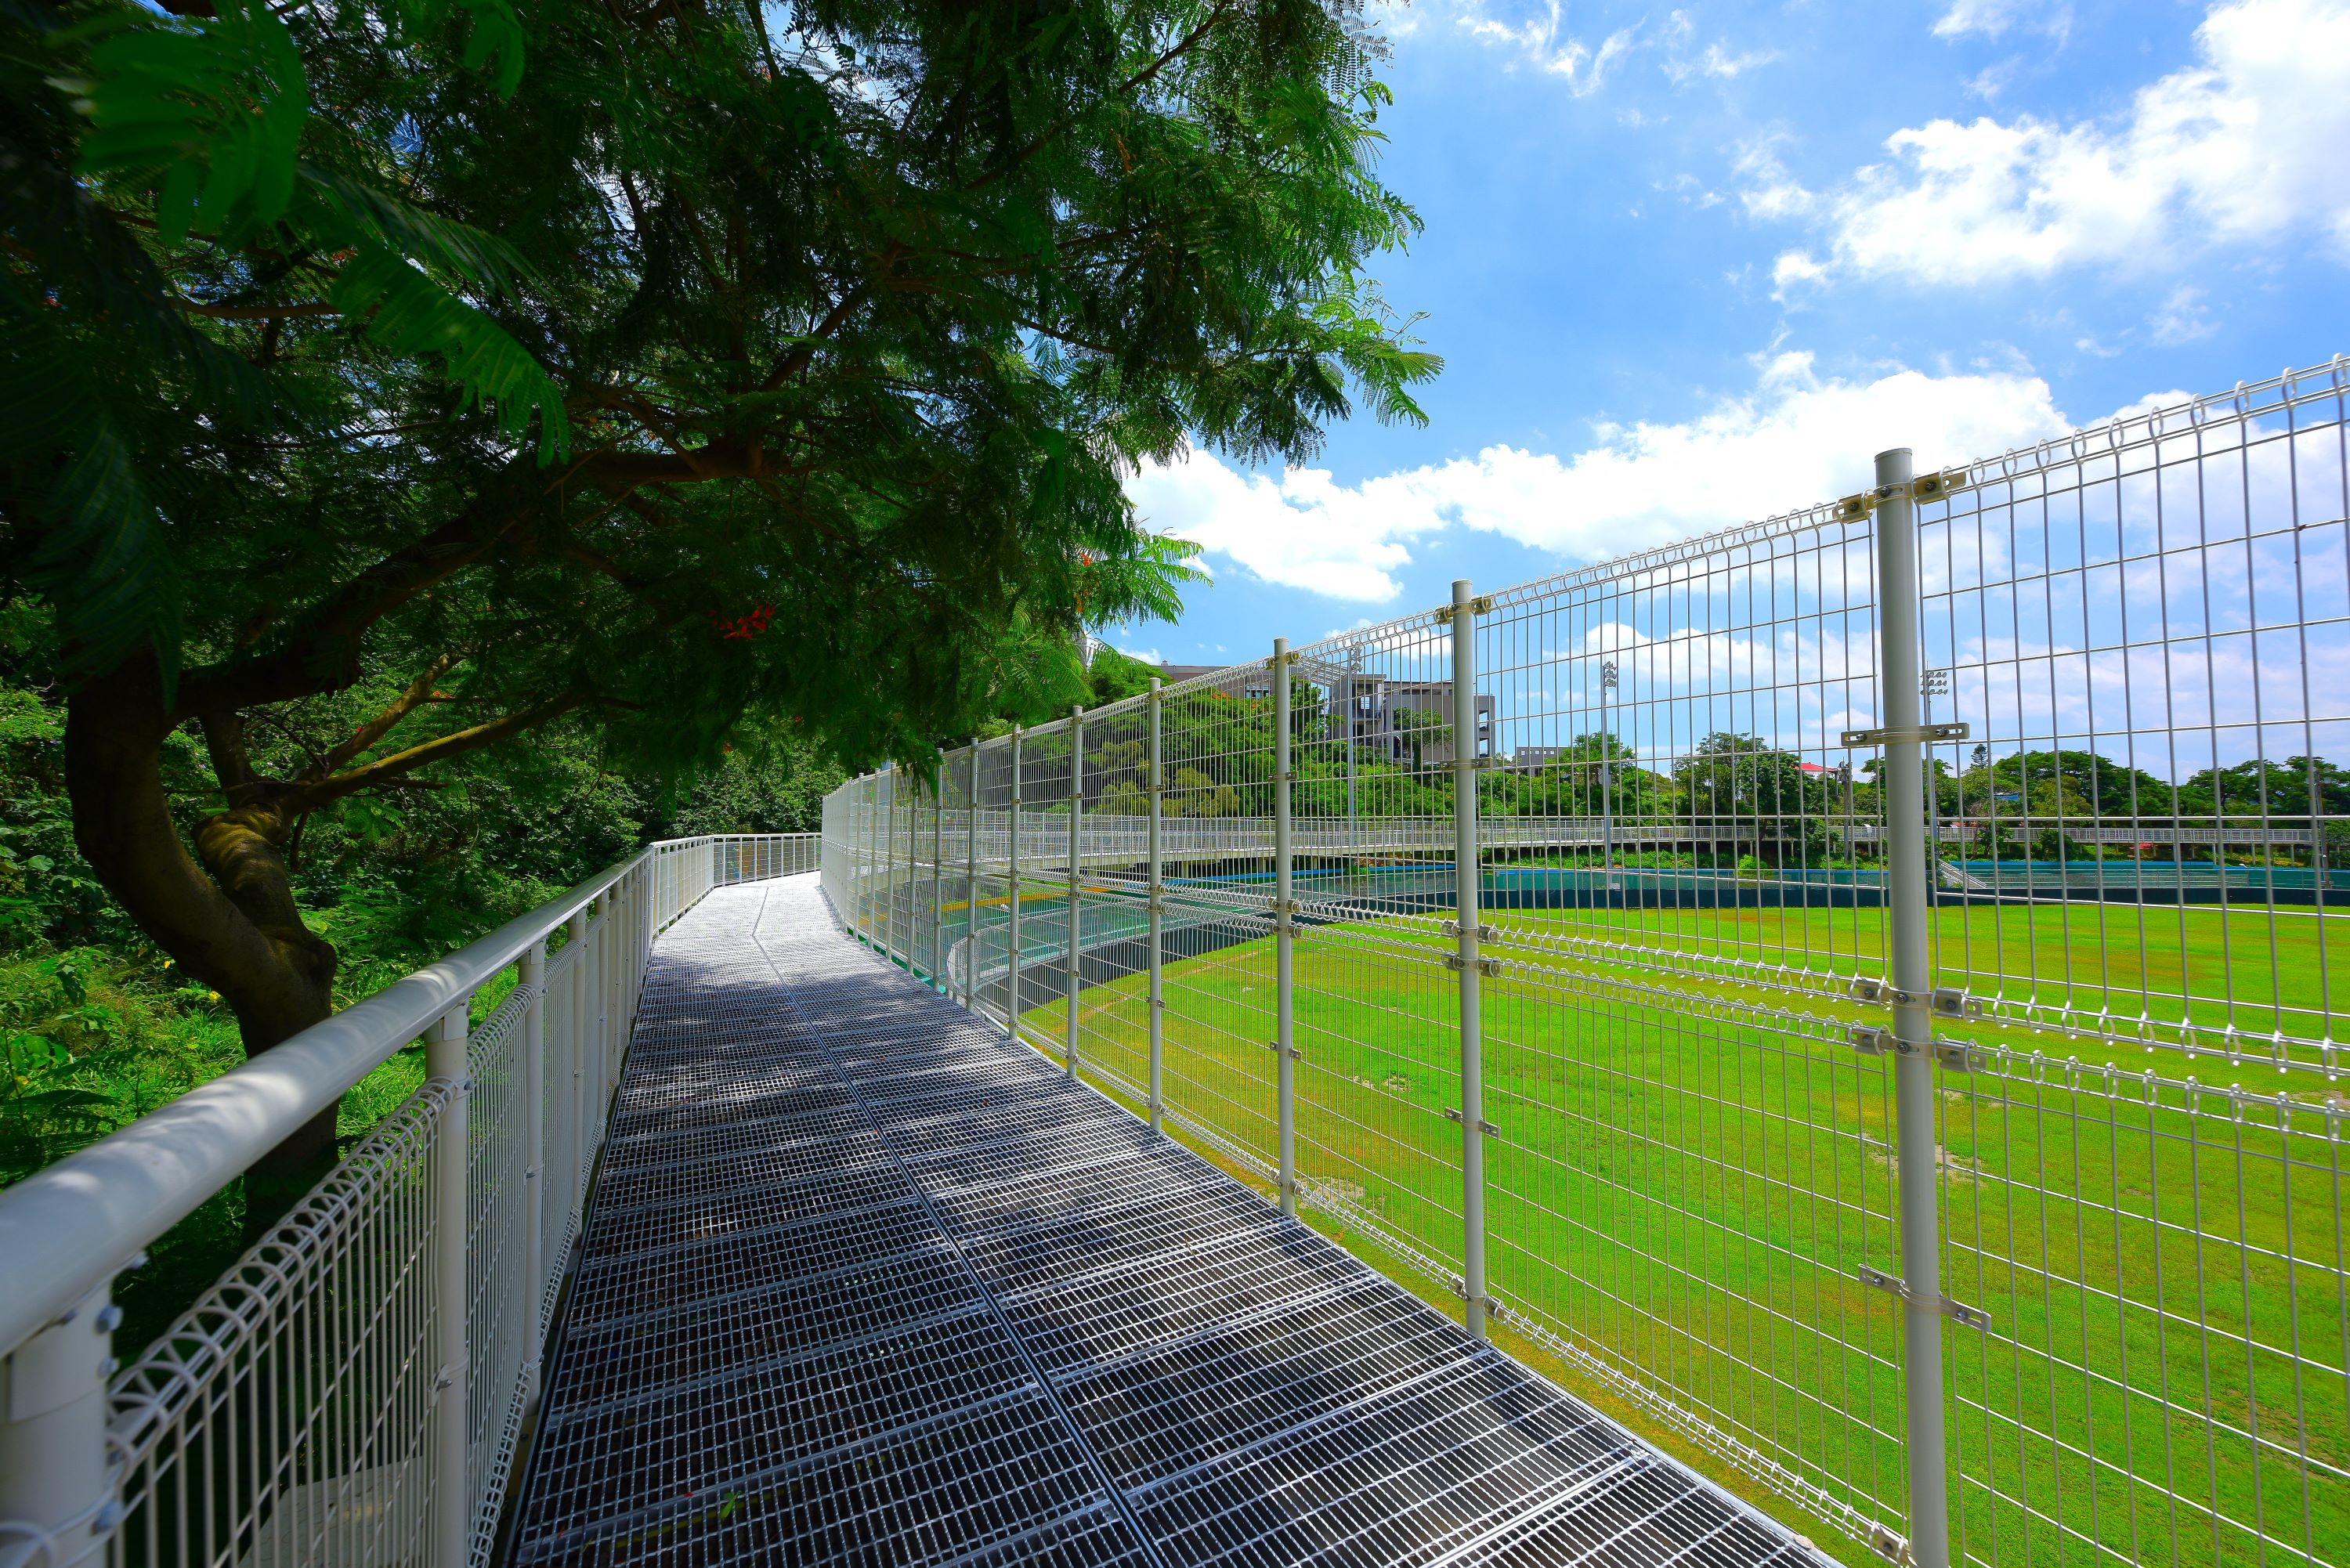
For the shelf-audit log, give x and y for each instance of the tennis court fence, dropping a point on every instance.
(1857, 989)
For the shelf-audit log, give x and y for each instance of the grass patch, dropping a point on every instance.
(1686, 1188)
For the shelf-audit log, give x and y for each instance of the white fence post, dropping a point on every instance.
(971, 885)
(533, 1171)
(55, 1474)
(1909, 969)
(939, 981)
(1012, 908)
(1076, 881)
(1156, 914)
(1465, 892)
(452, 1500)
(576, 931)
(1285, 1051)
(911, 939)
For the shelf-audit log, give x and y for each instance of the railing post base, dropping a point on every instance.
(453, 1501)
(58, 1487)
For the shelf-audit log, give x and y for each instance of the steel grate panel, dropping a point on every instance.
(1431, 1466)
(1218, 1392)
(677, 1273)
(865, 1281)
(1079, 1143)
(1065, 1193)
(689, 1437)
(934, 1494)
(797, 1143)
(1112, 1314)
(774, 1104)
(792, 1164)
(612, 1358)
(708, 1209)
(1012, 1259)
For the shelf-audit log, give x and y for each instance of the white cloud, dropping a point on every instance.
(1717, 60)
(2181, 317)
(2243, 145)
(1993, 17)
(1767, 190)
(1301, 531)
(1537, 42)
(1795, 440)
(1794, 266)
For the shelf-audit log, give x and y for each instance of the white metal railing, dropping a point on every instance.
(1702, 1033)
(354, 1389)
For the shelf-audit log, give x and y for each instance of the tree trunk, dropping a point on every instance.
(236, 928)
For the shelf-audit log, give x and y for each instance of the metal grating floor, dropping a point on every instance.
(863, 1282)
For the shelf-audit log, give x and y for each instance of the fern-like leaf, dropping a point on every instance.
(399, 307)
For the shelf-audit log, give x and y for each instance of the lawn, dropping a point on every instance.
(1689, 1167)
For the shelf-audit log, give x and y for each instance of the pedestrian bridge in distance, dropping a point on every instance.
(863, 1281)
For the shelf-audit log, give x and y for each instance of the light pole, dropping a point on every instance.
(1353, 679)
(1607, 779)
(1933, 684)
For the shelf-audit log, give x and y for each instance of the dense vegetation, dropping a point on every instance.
(384, 385)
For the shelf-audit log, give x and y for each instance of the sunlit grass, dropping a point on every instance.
(1685, 1189)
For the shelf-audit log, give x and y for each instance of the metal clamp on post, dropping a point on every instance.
(1452, 1114)
(1481, 605)
(1922, 734)
(1876, 1039)
(1958, 1311)
(1490, 966)
(1950, 1001)
(1889, 1545)
(1484, 933)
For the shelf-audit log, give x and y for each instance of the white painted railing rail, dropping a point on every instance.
(354, 1389)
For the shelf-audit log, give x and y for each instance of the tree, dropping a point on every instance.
(660, 375)
(1743, 783)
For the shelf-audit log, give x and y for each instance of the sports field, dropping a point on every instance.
(1688, 1167)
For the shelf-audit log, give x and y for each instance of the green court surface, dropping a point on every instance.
(1689, 1167)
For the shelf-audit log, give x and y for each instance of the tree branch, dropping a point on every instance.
(375, 728)
(387, 770)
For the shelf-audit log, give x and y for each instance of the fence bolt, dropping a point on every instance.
(1910, 973)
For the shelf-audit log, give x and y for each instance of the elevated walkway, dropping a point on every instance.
(863, 1282)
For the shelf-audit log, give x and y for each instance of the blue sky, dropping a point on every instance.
(1689, 266)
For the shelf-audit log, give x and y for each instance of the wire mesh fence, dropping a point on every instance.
(1968, 1170)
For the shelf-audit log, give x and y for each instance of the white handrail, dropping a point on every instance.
(66, 1230)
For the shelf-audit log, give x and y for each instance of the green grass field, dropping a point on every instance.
(1688, 1168)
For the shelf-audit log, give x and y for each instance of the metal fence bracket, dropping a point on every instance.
(1958, 1311)
(1899, 736)
(1877, 1040)
(1484, 933)
(1478, 605)
(1452, 1114)
(1950, 1001)
(1491, 966)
